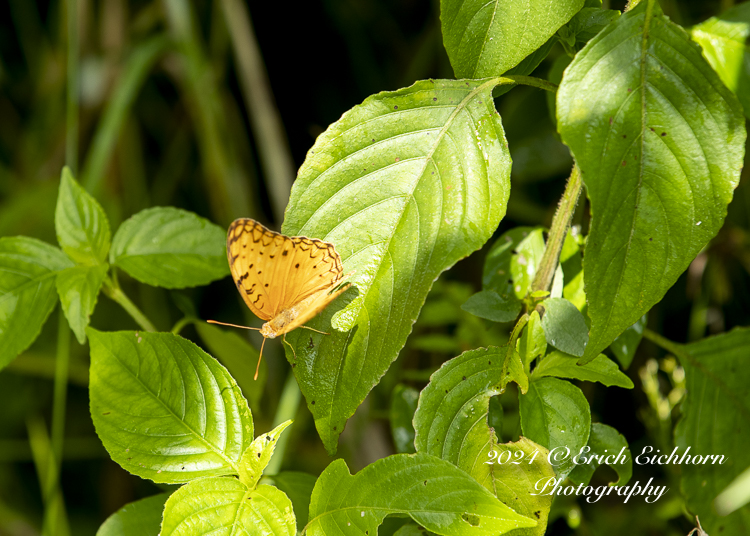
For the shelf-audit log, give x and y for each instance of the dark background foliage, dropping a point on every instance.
(188, 138)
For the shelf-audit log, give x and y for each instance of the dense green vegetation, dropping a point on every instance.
(502, 307)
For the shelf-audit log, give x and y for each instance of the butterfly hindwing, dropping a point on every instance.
(273, 272)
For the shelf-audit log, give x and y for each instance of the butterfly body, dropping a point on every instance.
(283, 280)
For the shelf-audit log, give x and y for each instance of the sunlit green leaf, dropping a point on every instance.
(433, 492)
(171, 248)
(564, 326)
(164, 409)
(28, 269)
(556, 414)
(724, 43)
(80, 222)
(403, 405)
(78, 288)
(138, 518)
(452, 423)
(608, 442)
(221, 505)
(600, 369)
(239, 357)
(258, 454)
(636, 106)
(492, 306)
(403, 185)
(625, 345)
(714, 421)
(488, 38)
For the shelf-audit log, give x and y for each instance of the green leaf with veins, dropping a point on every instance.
(28, 271)
(164, 409)
(258, 454)
(171, 248)
(451, 422)
(714, 421)
(221, 505)
(78, 288)
(404, 185)
(636, 106)
(556, 414)
(601, 369)
(488, 38)
(80, 222)
(433, 492)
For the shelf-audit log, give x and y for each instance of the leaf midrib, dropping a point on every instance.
(410, 195)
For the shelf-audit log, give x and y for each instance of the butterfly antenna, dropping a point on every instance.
(257, 368)
(230, 325)
(315, 330)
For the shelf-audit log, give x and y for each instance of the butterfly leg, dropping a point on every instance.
(315, 330)
(283, 339)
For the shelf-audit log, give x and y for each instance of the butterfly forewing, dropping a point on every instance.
(274, 272)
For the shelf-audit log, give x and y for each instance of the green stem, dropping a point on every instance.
(666, 344)
(115, 293)
(529, 81)
(265, 120)
(61, 387)
(287, 410)
(558, 231)
(71, 119)
(181, 323)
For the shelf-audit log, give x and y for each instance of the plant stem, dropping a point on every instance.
(558, 231)
(265, 120)
(287, 410)
(529, 81)
(181, 323)
(115, 293)
(666, 344)
(71, 118)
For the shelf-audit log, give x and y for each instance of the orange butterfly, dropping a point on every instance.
(284, 280)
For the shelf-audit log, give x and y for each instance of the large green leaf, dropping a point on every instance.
(171, 248)
(433, 492)
(723, 40)
(239, 357)
(139, 518)
(404, 185)
(715, 417)
(80, 222)
(221, 505)
(659, 140)
(28, 268)
(164, 409)
(488, 38)
(556, 414)
(451, 422)
(78, 287)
